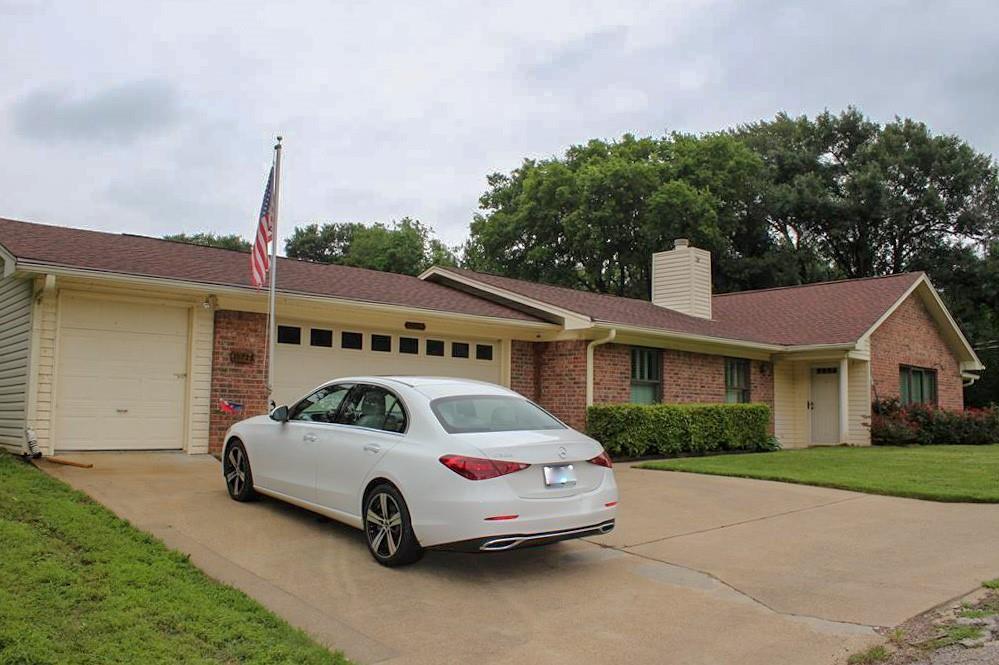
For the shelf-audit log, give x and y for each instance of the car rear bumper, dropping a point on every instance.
(505, 542)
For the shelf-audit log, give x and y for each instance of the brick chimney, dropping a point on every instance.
(681, 279)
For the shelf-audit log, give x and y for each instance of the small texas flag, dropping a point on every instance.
(229, 407)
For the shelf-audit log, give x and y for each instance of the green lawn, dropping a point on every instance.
(937, 473)
(79, 585)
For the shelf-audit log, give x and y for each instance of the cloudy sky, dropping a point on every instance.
(158, 118)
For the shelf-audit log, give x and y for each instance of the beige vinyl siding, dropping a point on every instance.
(200, 373)
(860, 403)
(681, 280)
(15, 351)
(44, 326)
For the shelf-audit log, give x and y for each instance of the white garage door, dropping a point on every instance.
(310, 354)
(121, 375)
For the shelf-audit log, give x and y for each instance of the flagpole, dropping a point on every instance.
(271, 313)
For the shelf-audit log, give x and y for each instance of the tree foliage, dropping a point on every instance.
(866, 199)
(591, 219)
(785, 201)
(208, 239)
(406, 246)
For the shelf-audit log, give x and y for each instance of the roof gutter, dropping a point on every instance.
(589, 362)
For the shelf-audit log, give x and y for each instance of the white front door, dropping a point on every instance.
(825, 405)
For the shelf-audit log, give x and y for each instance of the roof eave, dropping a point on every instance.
(232, 289)
(570, 319)
(675, 334)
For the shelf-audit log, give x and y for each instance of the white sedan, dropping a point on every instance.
(423, 462)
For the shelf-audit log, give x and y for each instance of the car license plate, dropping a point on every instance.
(562, 475)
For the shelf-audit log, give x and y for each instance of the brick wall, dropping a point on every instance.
(910, 336)
(693, 377)
(561, 380)
(246, 384)
(523, 368)
(612, 373)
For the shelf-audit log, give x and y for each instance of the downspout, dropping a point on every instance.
(589, 362)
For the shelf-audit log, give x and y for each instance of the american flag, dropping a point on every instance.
(260, 261)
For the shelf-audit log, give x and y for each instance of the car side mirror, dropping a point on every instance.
(280, 414)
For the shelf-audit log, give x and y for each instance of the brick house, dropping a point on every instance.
(115, 341)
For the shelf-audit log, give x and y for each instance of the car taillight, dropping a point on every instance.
(477, 468)
(603, 459)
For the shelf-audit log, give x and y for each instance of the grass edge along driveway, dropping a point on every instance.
(935, 473)
(79, 584)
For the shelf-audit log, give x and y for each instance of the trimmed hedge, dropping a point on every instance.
(895, 425)
(634, 430)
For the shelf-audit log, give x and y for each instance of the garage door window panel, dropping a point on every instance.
(459, 350)
(289, 335)
(410, 345)
(381, 343)
(351, 340)
(483, 351)
(435, 347)
(321, 337)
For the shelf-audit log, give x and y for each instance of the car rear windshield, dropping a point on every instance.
(491, 413)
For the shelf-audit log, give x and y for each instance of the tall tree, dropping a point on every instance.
(592, 218)
(869, 199)
(406, 246)
(209, 239)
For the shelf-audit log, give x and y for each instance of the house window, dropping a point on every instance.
(483, 351)
(289, 335)
(459, 350)
(918, 385)
(381, 343)
(351, 340)
(646, 375)
(435, 347)
(320, 337)
(409, 345)
(736, 380)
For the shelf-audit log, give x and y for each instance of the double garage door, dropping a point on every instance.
(309, 354)
(122, 375)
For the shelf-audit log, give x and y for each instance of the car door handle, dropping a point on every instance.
(373, 448)
(310, 438)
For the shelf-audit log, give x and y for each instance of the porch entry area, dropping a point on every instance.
(822, 401)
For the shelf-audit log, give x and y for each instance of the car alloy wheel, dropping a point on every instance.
(388, 527)
(236, 469)
(384, 525)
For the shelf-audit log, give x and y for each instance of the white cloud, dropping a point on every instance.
(393, 109)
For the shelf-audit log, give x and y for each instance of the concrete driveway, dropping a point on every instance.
(701, 570)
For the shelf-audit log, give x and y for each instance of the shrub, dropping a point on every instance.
(895, 425)
(634, 430)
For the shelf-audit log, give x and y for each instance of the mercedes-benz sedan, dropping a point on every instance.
(424, 462)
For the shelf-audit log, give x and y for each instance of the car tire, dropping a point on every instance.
(388, 528)
(237, 473)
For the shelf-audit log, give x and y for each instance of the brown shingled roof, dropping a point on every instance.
(825, 313)
(153, 257)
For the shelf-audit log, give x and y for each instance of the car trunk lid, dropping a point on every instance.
(541, 448)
